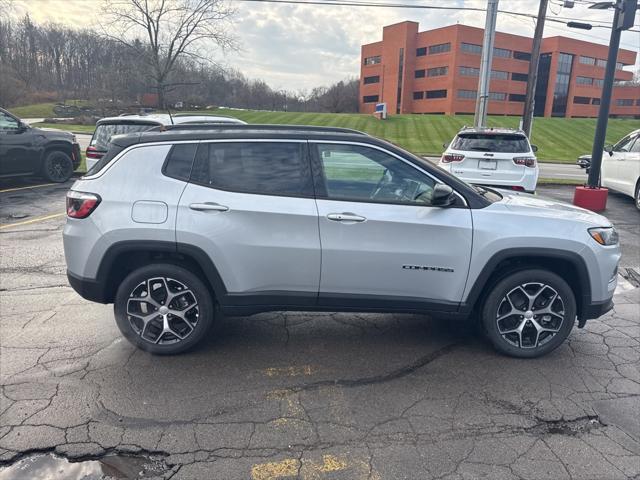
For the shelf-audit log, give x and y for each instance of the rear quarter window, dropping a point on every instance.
(180, 160)
(483, 142)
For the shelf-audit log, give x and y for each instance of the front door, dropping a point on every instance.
(382, 242)
(16, 150)
(249, 206)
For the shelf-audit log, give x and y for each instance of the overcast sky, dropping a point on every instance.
(302, 46)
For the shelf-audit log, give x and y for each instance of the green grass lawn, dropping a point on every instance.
(38, 110)
(88, 129)
(558, 139)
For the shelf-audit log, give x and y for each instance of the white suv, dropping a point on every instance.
(176, 226)
(492, 156)
(621, 166)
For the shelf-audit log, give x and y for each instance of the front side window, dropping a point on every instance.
(264, 168)
(491, 142)
(624, 145)
(364, 174)
(8, 123)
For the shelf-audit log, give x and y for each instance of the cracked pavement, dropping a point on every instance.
(311, 396)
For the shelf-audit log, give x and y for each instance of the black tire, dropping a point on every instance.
(57, 167)
(498, 321)
(187, 326)
(637, 195)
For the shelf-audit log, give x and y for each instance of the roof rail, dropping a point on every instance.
(236, 126)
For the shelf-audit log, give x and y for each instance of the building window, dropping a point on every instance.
(598, 82)
(584, 80)
(499, 75)
(542, 85)
(436, 94)
(601, 63)
(400, 76)
(471, 48)
(373, 60)
(370, 99)
(418, 95)
(521, 55)
(559, 106)
(516, 97)
(637, 102)
(624, 102)
(519, 77)
(582, 100)
(595, 101)
(421, 52)
(440, 48)
(469, 71)
(619, 66)
(467, 94)
(420, 73)
(501, 52)
(437, 71)
(587, 60)
(372, 79)
(497, 96)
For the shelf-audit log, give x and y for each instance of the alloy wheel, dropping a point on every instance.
(530, 315)
(58, 168)
(162, 310)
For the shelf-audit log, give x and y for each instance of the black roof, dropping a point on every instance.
(187, 132)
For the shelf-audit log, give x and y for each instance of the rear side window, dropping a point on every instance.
(180, 160)
(266, 168)
(500, 143)
(104, 132)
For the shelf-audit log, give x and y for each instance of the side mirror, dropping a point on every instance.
(22, 127)
(442, 196)
(445, 145)
(534, 148)
(609, 149)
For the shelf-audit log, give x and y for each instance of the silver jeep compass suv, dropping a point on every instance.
(175, 226)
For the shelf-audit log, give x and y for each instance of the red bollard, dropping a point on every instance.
(594, 199)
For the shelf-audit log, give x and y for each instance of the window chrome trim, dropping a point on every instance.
(384, 150)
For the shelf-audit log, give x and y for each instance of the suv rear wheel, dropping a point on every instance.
(163, 308)
(57, 167)
(529, 313)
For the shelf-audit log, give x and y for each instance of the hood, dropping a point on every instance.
(540, 206)
(54, 134)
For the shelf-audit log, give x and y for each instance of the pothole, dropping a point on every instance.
(18, 216)
(50, 467)
(562, 427)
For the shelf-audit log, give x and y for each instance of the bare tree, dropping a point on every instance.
(172, 29)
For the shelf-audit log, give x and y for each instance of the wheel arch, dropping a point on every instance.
(124, 257)
(568, 265)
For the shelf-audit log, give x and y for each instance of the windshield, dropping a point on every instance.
(104, 132)
(491, 142)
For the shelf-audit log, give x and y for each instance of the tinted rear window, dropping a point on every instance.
(483, 142)
(180, 160)
(104, 132)
(267, 168)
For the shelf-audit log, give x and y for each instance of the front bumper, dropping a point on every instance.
(591, 310)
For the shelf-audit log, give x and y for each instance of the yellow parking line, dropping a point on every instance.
(24, 188)
(33, 220)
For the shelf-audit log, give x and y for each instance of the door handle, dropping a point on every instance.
(208, 206)
(345, 217)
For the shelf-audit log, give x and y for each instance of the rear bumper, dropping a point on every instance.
(88, 289)
(76, 156)
(527, 181)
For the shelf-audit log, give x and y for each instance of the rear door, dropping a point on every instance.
(249, 206)
(383, 244)
(489, 158)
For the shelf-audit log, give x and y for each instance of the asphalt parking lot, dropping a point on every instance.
(311, 396)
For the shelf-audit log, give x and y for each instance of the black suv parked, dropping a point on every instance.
(26, 150)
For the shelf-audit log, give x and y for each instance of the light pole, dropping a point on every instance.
(592, 196)
(482, 101)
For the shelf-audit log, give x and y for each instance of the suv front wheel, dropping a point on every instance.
(529, 313)
(163, 309)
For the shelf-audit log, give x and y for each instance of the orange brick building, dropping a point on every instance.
(437, 72)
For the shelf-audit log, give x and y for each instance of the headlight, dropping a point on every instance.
(604, 236)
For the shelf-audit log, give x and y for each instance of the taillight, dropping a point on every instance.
(92, 152)
(526, 161)
(517, 188)
(81, 204)
(451, 157)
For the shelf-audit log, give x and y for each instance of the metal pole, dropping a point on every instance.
(532, 79)
(605, 100)
(485, 64)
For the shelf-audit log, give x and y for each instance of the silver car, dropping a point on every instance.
(178, 226)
